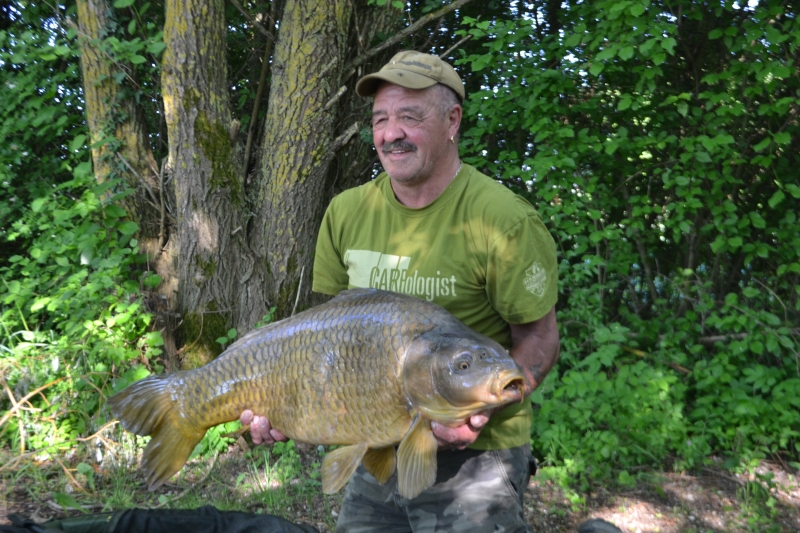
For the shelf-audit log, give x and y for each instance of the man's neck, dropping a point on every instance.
(418, 195)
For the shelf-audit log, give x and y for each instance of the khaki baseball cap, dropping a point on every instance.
(412, 70)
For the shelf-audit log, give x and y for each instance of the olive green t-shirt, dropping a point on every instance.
(479, 250)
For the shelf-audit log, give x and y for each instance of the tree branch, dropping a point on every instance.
(342, 139)
(262, 82)
(253, 21)
(459, 43)
(397, 37)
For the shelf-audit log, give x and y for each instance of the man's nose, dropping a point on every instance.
(393, 131)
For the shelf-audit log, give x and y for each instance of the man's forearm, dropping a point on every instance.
(536, 347)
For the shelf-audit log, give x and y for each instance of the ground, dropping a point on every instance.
(283, 481)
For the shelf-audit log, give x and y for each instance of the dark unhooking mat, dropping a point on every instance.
(206, 519)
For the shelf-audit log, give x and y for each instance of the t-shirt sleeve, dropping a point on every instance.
(522, 272)
(330, 272)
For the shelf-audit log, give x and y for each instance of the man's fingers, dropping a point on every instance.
(478, 421)
(260, 428)
(246, 418)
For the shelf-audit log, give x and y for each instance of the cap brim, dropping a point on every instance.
(368, 85)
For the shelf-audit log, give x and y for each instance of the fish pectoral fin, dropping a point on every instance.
(380, 463)
(339, 465)
(416, 459)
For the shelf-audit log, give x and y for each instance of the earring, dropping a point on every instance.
(452, 141)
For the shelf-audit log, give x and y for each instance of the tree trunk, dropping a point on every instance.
(109, 115)
(212, 261)
(129, 156)
(304, 131)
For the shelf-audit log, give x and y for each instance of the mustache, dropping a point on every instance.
(398, 145)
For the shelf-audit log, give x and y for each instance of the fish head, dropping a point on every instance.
(450, 377)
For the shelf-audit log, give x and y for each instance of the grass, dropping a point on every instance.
(283, 480)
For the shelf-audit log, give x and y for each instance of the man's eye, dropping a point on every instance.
(409, 119)
(378, 121)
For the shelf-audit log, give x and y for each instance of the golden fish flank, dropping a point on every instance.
(369, 369)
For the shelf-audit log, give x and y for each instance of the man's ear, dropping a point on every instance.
(455, 119)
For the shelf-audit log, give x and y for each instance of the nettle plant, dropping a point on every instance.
(659, 142)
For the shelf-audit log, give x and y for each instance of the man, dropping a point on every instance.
(435, 228)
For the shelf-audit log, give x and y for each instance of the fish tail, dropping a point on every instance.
(147, 407)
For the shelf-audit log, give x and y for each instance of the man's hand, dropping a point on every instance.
(260, 428)
(460, 437)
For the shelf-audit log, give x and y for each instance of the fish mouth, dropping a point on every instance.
(513, 389)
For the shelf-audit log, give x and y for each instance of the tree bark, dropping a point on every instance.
(212, 261)
(129, 156)
(109, 115)
(308, 120)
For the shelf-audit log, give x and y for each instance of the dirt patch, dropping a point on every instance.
(286, 484)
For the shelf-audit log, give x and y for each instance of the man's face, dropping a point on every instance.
(409, 133)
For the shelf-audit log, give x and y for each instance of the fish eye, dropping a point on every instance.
(483, 356)
(462, 363)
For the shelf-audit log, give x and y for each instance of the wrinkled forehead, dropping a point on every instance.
(390, 97)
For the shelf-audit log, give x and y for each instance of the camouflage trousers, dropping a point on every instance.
(475, 491)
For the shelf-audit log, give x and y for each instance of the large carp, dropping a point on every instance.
(369, 369)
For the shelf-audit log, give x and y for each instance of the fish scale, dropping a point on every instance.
(368, 370)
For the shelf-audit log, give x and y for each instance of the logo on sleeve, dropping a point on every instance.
(535, 279)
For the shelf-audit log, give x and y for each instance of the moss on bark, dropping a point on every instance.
(200, 332)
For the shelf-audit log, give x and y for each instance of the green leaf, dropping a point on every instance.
(39, 303)
(397, 4)
(626, 52)
(136, 59)
(776, 198)
(596, 68)
(607, 53)
(232, 333)
(624, 103)
(37, 205)
(668, 45)
(782, 138)
(763, 144)
(735, 242)
(750, 292)
(156, 47)
(646, 46)
(119, 4)
(636, 10)
(65, 500)
(128, 228)
(572, 40)
(77, 143)
(703, 157)
(114, 211)
(757, 220)
(683, 108)
(62, 261)
(793, 189)
(132, 26)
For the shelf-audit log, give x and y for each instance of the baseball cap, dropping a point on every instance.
(412, 70)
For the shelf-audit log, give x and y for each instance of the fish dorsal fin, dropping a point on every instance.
(416, 459)
(339, 465)
(380, 463)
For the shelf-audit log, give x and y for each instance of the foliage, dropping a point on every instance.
(70, 312)
(41, 118)
(660, 141)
